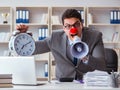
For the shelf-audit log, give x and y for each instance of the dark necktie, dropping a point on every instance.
(75, 60)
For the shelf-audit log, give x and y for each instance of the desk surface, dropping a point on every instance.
(59, 86)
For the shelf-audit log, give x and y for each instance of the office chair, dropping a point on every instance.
(111, 58)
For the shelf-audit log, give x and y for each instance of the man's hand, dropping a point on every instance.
(85, 59)
(22, 28)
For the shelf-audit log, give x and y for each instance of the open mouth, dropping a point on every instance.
(74, 34)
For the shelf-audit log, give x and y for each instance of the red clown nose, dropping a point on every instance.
(73, 31)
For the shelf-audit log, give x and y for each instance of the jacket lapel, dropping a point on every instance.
(64, 49)
(84, 37)
(64, 44)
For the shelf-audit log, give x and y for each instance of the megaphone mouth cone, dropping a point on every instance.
(79, 50)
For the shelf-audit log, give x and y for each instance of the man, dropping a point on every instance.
(59, 44)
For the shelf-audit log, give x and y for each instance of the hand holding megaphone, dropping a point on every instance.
(78, 49)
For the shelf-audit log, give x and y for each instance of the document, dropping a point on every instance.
(97, 79)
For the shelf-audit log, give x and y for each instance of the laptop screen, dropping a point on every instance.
(21, 68)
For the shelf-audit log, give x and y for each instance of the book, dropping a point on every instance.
(90, 18)
(53, 72)
(5, 76)
(115, 37)
(10, 85)
(97, 79)
(44, 19)
(5, 80)
(55, 19)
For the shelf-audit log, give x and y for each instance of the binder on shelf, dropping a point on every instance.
(82, 14)
(17, 16)
(46, 32)
(26, 16)
(111, 16)
(46, 70)
(22, 16)
(115, 16)
(119, 16)
(43, 33)
(23, 12)
(40, 34)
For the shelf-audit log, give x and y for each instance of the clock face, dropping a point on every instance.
(24, 44)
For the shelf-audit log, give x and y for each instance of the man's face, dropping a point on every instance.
(72, 23)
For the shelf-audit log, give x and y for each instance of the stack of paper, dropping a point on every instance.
(6, 80)
(97, 79)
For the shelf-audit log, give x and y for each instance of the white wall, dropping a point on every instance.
(14, 3)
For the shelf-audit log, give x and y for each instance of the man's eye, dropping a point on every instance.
(67, 25)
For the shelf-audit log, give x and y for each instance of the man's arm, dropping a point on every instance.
(96, 57)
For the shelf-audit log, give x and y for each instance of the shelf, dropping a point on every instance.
(103, 24)
(4, 42)
(100, 22)
(36, 14)
(56, 13)
(38, 60)
(99, 18)
(5, 28)
(99, 14)
(1, 24)
(111, 42)
(42, 79)
(56, 24)
(34, 24)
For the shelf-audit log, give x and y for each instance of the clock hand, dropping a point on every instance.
(25, 44)
(21, 48)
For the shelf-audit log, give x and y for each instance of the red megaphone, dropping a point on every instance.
(73, 31)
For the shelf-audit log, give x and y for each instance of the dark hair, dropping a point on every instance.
(69, 13)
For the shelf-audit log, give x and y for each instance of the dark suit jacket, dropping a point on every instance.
(57, 42)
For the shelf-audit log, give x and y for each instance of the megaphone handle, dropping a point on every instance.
(78, 72)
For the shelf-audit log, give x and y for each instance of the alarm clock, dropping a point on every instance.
(21, 44)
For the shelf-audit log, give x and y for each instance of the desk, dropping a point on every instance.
(57, 86)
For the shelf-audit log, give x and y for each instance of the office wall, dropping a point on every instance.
(60, 2)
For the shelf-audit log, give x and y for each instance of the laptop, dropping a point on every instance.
(22, 69)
